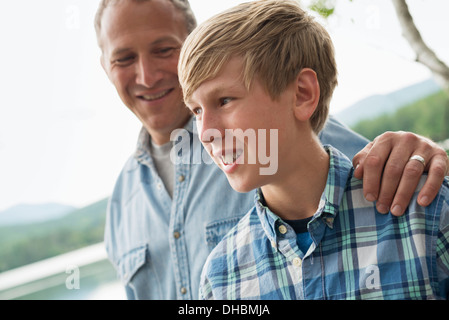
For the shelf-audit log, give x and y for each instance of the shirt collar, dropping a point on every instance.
(340, 171)
(144, 139)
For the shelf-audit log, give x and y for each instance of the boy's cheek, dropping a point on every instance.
(209, 151)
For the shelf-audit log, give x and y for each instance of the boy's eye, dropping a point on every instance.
(224, 101)
(197, 111)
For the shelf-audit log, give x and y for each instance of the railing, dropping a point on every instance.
(81, 274)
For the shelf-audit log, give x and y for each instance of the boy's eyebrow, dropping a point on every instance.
(217, 91)
(189, 103)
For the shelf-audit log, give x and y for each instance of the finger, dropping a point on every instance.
(400, 167)
(357, 161)
(396, 169)
(409, 181)
(373, 166)
(438, 167)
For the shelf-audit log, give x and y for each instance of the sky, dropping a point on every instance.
(64, 133)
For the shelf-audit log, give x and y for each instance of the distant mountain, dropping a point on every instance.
(25, 243)
(31, 213)
(377, 105)
(427, 117)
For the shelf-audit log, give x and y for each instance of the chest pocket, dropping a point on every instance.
(138, 276)
(216, 230)
(130, 263)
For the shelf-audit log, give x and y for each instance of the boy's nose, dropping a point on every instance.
(209, 128)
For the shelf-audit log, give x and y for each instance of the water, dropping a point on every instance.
(97, 281)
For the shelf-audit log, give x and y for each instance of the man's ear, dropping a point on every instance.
(307, 94)
(102, 63)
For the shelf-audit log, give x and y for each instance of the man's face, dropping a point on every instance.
(141, 44)
(226, 109)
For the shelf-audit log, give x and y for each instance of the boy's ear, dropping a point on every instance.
(307, 94)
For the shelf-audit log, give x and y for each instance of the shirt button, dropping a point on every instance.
(297, 262)
(183, 290)
(181, 178)
(176, 234)
(282, 229)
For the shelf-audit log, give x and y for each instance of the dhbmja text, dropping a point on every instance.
(239, 309)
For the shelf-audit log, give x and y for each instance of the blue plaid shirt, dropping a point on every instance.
(356, 253)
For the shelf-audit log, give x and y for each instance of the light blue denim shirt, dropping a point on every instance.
(159, 244)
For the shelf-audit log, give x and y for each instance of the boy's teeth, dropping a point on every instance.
(230, 158)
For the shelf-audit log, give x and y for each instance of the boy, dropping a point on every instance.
(267, 68)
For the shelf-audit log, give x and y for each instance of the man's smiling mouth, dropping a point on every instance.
(156, 96)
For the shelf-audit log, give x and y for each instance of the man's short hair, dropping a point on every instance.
(182, 5)
(276, 40)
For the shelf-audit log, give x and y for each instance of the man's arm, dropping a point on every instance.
(389, 177)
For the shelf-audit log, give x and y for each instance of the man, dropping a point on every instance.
(160, 227)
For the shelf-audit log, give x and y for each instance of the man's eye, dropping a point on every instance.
(124, 60)
(165, 52)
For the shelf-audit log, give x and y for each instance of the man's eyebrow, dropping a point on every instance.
(119, 51)
(158, 41)
(166, 39)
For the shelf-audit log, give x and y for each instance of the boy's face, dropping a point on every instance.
(243, 130)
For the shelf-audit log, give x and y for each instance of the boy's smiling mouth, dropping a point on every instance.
(230, 157)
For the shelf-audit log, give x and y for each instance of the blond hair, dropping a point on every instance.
(182, 5)
(276, 40)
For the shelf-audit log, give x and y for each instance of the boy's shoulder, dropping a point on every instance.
(237, 241)
(439, 206)
(240, 234)
(443, 194)
(446, 183)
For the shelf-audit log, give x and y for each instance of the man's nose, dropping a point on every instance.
(147, 72)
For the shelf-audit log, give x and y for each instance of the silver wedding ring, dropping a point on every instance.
(418, 158)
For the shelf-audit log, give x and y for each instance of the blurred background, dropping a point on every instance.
(65, 135)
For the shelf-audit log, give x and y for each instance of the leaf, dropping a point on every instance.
(324, 8)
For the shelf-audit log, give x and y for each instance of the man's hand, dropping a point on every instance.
(391, 178)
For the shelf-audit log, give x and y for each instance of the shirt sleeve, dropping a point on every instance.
(205, 290)
(341, 137)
